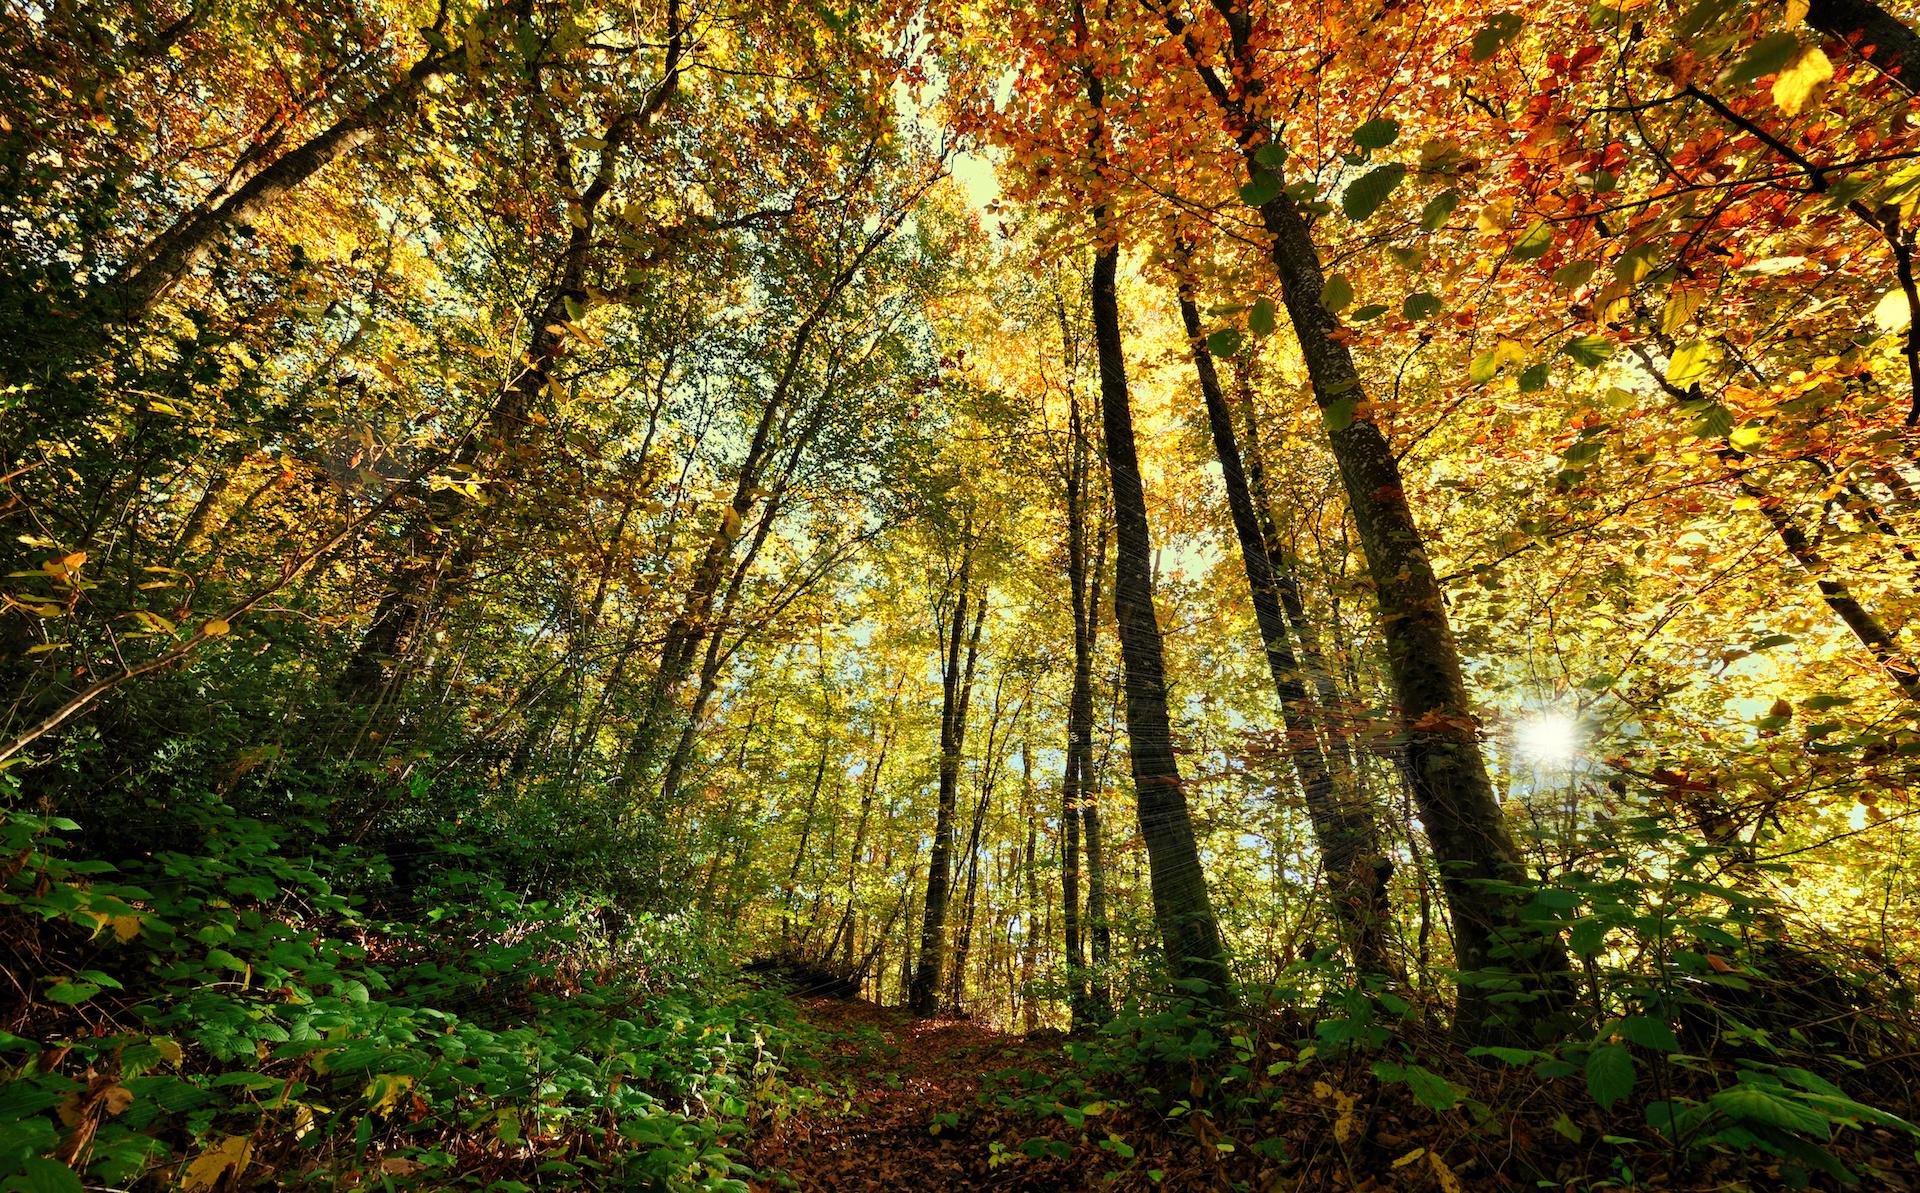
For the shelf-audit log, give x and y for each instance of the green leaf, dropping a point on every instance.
(1272, 155)
(1587, 937)
(1365, 194)
(1609, 1074)
(1769, 54)
(1263, 189)
(1498, 31)
(48, 1176)
(1649, 1032)
(1534, 378)
(1591, 351)
(1753, 1104)
(1437, 210)
(71, 993)
(1420, 306)
(1534, 242)
(1260, 319)
(1225, 342)
(1715, 422)
(1507, 1056)
(1690, 363)
(1337, 293)
(1372, 310)
(1377, 133)
(1483, 367)
(1433, 1091)
(1339, 413)
(1573, 274)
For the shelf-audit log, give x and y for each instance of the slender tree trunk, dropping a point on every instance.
(1335, 726)
(787, 898)
(1343, 825)
(1079, 709)
(963, 944)
(1190, 933)
(860, 830)
(924, 993)
(1479, 862)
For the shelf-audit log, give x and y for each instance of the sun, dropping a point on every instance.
(1548, 738)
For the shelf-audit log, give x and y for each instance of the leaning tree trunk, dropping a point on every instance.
(1479, 863)
(1343, 824)
(160, 265)
(1182, 909)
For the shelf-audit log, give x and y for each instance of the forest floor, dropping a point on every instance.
(905, 1109)
(899, 1102)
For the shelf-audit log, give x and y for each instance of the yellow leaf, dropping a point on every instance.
(384, 1092)
(169, 1050)
(1410, 1157)
(1793, 87)
(1494, 217)
(1442, 1175)
(125, 927)
(1681, 304)
(1892, 313)
(231, 1154)
(116, 1099)
(1797, 11)
(216, 628)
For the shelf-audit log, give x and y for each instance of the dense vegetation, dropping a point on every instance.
(1296, 595)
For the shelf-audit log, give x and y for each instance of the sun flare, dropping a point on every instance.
(1548, 739)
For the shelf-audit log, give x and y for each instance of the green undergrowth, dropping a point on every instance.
(229, 1015)
(1695, 1039)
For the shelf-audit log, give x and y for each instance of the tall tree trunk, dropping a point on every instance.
(444, 540)
(1182, 909)
(1480, 865)
(963, 943)
(1343, 825)
(1079, 707)
(1336, 728)
(788, 898)
(923, 995)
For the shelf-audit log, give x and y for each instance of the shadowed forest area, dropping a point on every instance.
(1072, 594)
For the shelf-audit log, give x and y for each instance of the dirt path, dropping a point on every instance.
(899, 1079)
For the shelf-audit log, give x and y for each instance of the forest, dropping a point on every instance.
(747, 595)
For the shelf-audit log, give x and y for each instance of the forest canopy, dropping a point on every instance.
(706, 594)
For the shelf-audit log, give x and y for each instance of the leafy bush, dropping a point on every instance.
(227, 1009)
